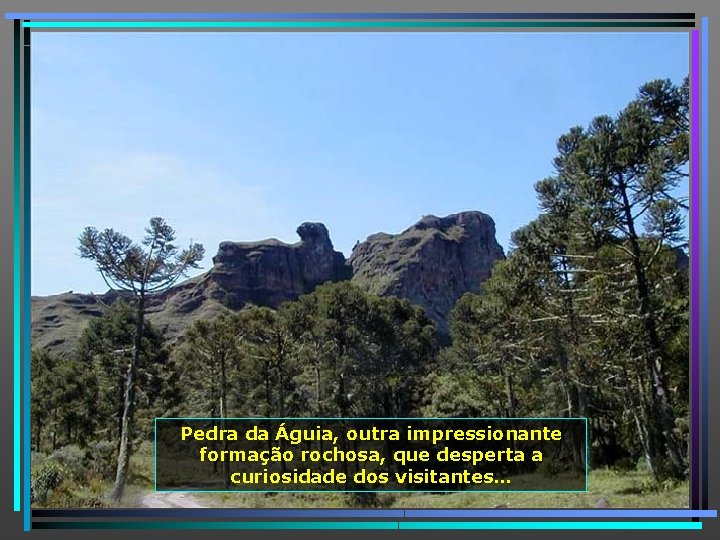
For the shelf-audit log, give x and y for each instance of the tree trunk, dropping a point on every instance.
(577, 402)
(38, 433)
(119, 412)
(510, 399)
(318, 400)
(281, 380)
(268, 392)
(662, 414)
(54, 430)
(125, 451)
(223, 415)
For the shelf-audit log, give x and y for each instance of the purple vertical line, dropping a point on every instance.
(704, 263)
(695, 266)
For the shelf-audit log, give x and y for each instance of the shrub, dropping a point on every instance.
(550, 468)
(102, 459)
(624, 464)
(45, 480)
(72, 459)
(363, 499)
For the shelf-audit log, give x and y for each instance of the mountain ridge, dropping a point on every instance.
(431, 263)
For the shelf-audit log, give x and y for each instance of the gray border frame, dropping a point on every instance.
(709, 8)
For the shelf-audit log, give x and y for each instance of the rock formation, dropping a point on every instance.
(432, 263)
(270, 272)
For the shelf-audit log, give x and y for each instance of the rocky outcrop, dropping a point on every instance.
(270, 272)
(432, 263)
(266, 273)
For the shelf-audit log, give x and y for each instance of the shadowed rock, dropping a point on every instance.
(270, 272)
(432, 263)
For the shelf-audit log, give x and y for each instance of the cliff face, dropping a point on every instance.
(270, 272)
(432, 263)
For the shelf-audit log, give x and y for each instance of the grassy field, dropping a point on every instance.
(613, 488)
(607, 488)
(616, 489)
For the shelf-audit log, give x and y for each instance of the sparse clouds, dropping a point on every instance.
(240, 136)
(122, 190)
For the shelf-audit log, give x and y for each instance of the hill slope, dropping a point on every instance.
(431, 264)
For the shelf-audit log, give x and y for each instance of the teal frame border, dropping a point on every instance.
(374, 525)
(26, 330)
(17, 258)
(259, 419)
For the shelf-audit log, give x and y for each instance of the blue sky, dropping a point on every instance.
(243, 136)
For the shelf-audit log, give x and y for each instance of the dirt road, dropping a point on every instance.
(176, 499)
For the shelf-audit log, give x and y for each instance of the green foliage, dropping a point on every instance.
(44, 480)
(72, 459)
(101, 459)
(128, 266)
(361, 355)
(337, 351)
(62, 392)
(60, 481)
(459, 393)
(141, 270)
(363, 500)
(106, 348)
(208, 359)
(588, 315)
